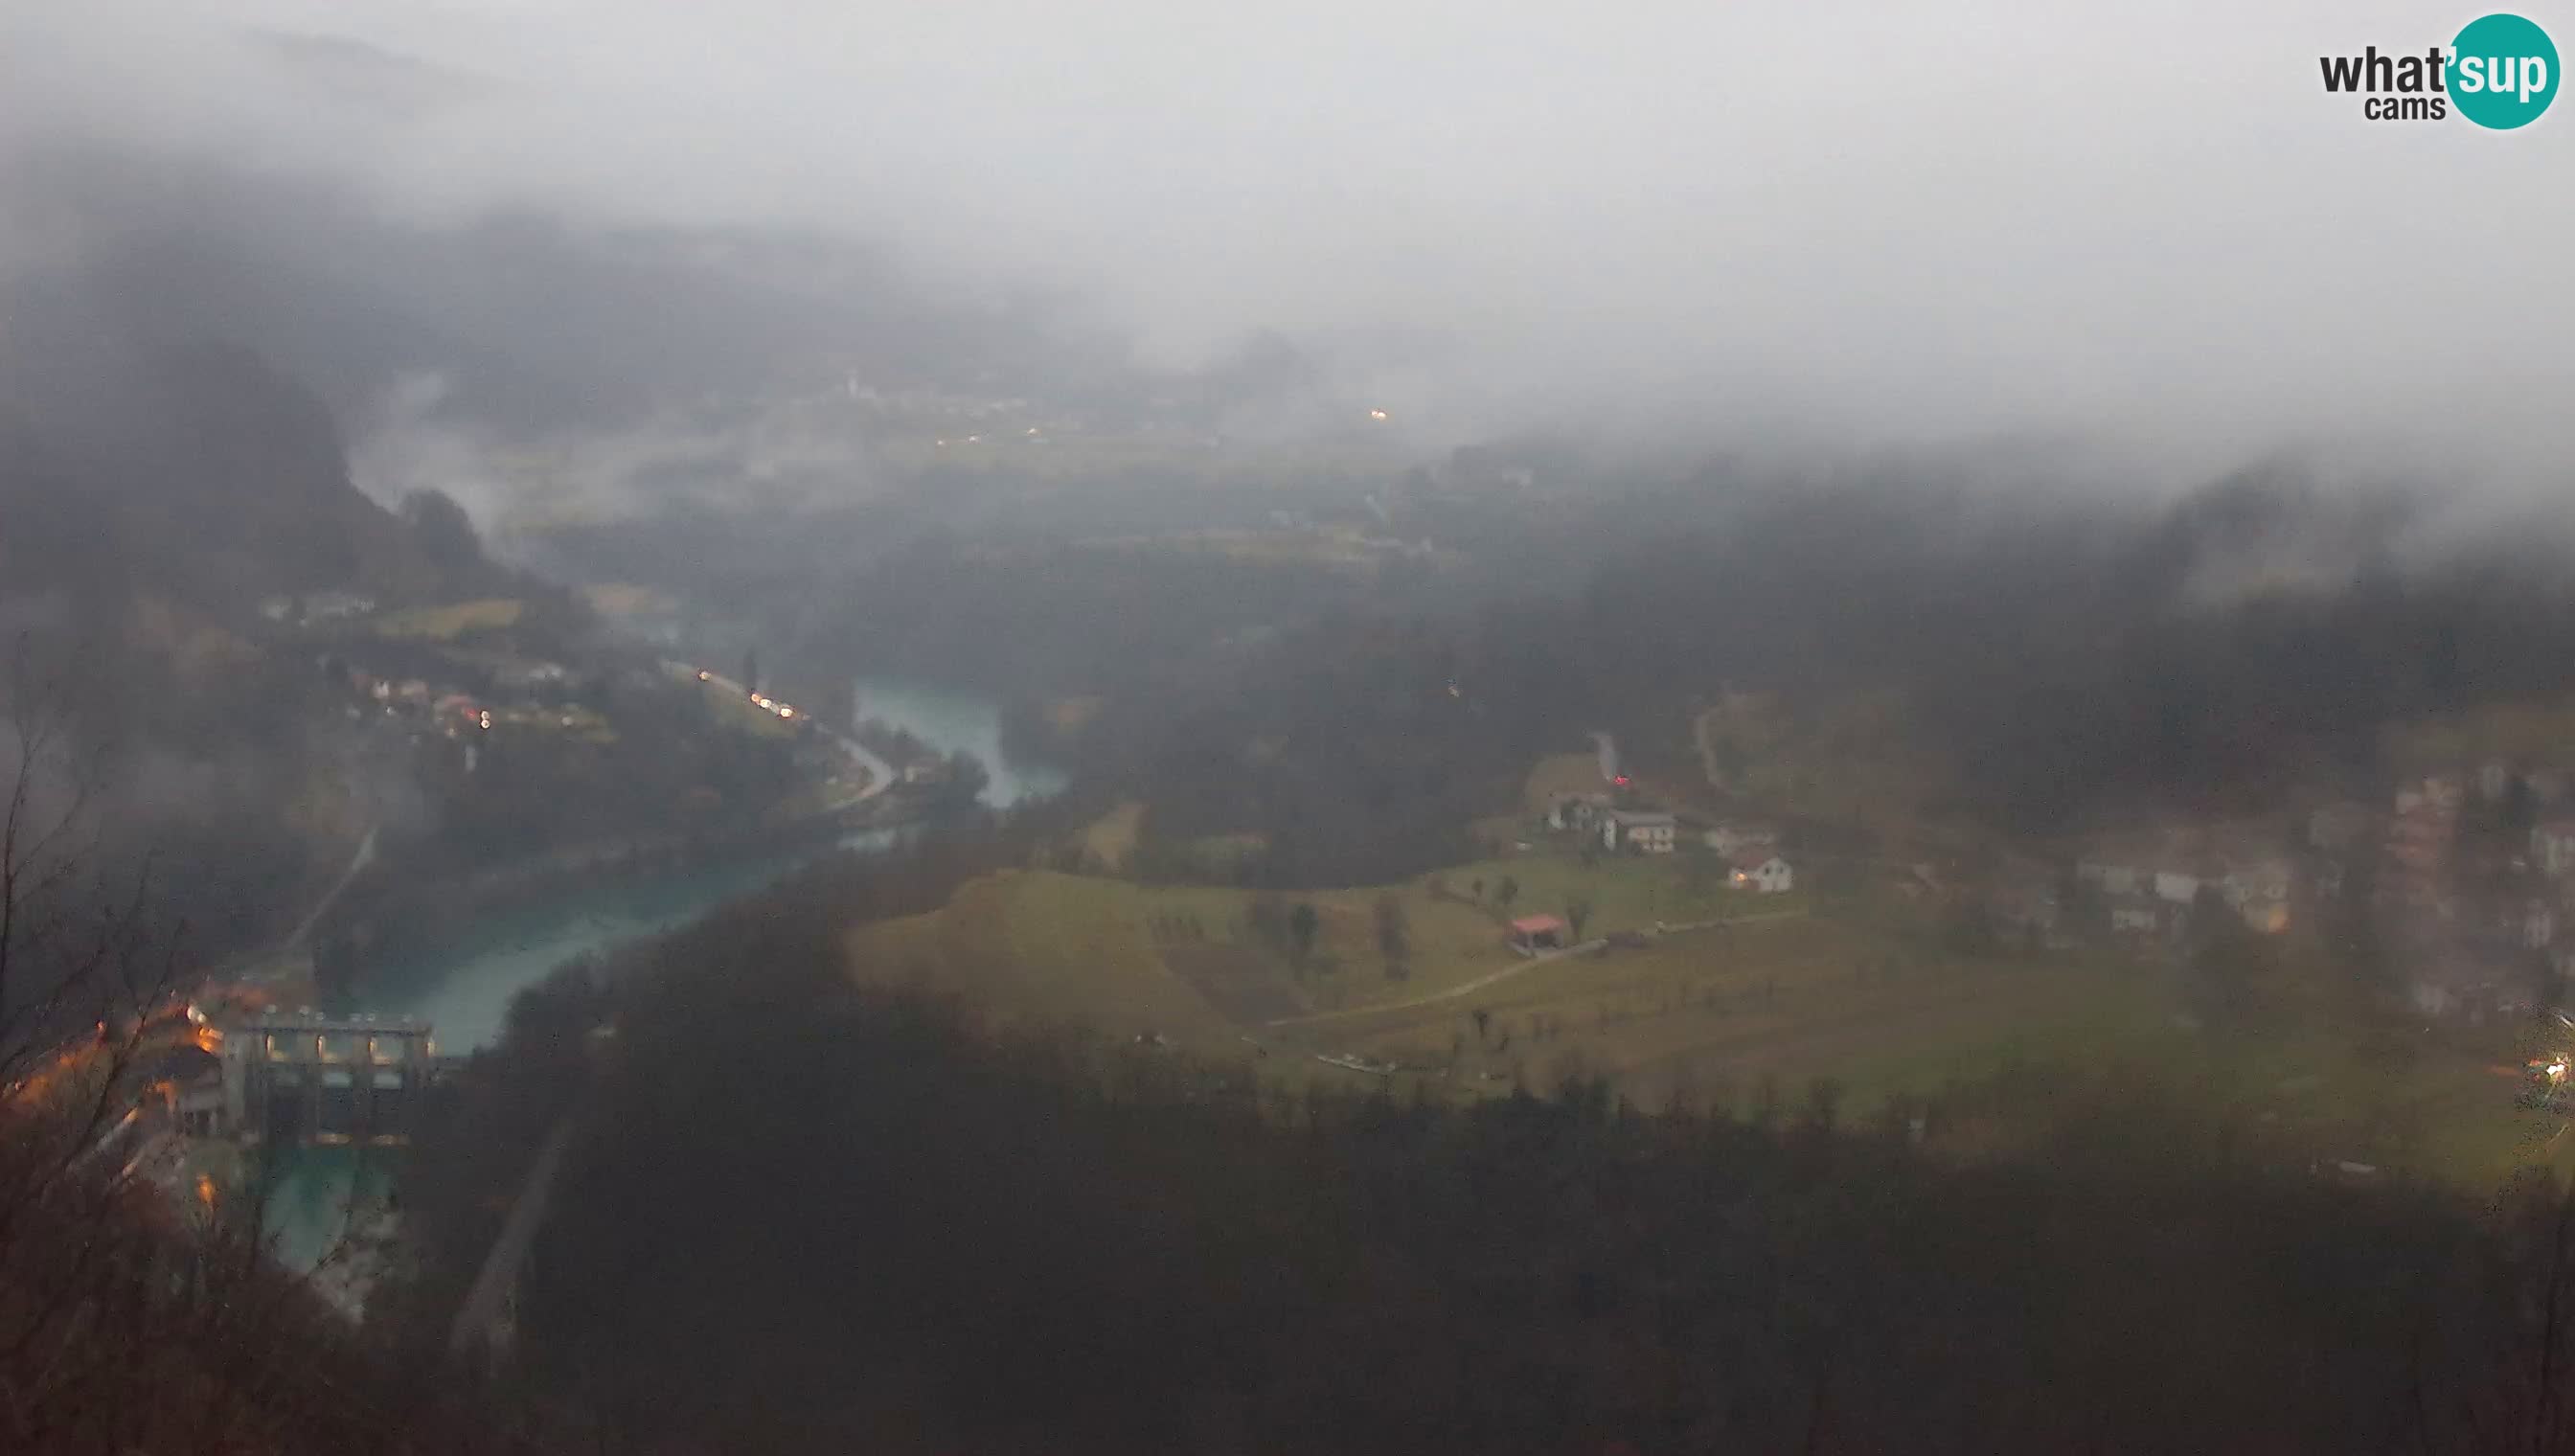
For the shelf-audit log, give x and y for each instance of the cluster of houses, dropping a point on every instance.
(2144, 889)
(313, 609)
(2151, 887)
(2473, 873)
(443, 709)
(1750, 851)
(2467, 876)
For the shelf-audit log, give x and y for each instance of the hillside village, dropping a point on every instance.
(2455, 882)
(507, 729)
(1749, 848)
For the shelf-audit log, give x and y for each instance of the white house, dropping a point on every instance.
(335, 605)
(2135, 916)
(1760, 871)
(2108, 876)
(1647, 832)
(2176, 886)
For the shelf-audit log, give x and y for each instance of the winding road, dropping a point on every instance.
(881, 774)
(478, 1320)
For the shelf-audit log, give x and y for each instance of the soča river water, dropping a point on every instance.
(463, 985)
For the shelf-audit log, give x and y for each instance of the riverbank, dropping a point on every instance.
(421, 916)
(955, 719)
(464, 949)
(457, 965)
(456, 952)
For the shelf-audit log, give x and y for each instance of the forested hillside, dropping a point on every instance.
(802, 1217)
(2058, 657)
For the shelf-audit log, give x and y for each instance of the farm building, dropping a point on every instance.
(1641, 831)
(1533, 934)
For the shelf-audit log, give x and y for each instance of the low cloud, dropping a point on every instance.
(1848, 223)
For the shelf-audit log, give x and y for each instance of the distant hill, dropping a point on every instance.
(531, 324)
(156, 483)
(135, 451)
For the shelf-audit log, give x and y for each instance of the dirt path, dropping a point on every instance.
(1468, 989)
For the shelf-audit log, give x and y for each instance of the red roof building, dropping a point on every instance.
(1537, 932)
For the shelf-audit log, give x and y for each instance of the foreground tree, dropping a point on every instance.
(139, 1309)
(1303, 923)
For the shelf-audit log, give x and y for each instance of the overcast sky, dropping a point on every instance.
(1889, 219)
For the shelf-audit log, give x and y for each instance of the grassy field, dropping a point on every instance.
(1191, 963)
(1787, 998)
(1764, 1007)
(448, 622)
(1042, 947)
(1111, 838)
(1789, 993)
(1222, 855)
(1793, 999)
(1446, 942)
(621, 599)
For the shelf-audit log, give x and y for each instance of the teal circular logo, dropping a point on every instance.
(2503, 72)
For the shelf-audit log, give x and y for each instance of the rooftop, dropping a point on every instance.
(317, 1023)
